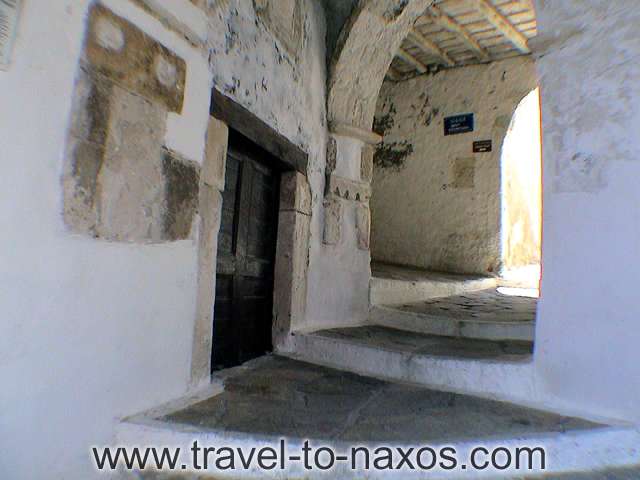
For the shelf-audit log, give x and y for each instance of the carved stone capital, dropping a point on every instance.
(348, 189)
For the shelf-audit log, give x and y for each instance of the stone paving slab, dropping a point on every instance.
(412, 274)
(486, 305)
(285, 397)
(417, 343)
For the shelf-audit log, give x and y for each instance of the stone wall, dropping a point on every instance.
(436, 204)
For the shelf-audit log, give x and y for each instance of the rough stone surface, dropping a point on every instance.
(113, 181)
(332, 220)
(366, 164)
(360, 65)
(295, 194)
(278, 396)
(483, 305)
(348, 189)
(292, 264)
(209, 208)
(363, 226)
(181, 200)
(395, 284)
(213, 170)
(414, 343)
(485, 314)
(119, 184)
(127, 56)
(332, 152)
(435, 204)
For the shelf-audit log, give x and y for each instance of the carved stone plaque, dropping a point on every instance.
(284, 19)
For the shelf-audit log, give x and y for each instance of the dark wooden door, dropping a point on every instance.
(246, 255)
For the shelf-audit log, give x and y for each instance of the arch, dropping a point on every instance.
(365, 49)
(521, 196)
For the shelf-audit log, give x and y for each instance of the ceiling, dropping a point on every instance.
(454, 33)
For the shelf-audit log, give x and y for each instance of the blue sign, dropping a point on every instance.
(458, 124)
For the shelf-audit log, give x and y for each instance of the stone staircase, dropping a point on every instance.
(449, 305)
(443, 360)
(445, 331)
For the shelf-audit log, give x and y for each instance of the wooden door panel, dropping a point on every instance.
(246, 257)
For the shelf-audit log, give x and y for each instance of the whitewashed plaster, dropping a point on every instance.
(438, 206)
(588, 331)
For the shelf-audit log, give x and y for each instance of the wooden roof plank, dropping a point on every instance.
(430, 47)
(411, 60)
(502, 23)
(448, 23)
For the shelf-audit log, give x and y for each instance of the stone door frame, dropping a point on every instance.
(294, 219)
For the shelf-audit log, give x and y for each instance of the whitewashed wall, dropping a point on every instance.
(588, 324)
(438, 206)
(92, 331)
(253, 68)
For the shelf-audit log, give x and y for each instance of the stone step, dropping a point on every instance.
(495, 369)
(486, 315)
(276, 398)
(393, 285)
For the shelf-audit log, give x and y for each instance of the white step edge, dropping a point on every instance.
(387, 291)
(451, 327)
(488, 378)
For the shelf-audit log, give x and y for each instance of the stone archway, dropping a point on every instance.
(365, 49)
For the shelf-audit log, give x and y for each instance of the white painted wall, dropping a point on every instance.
(588, 324)
(90, 331)
(95, 331)
(423, 214)
(291, 97)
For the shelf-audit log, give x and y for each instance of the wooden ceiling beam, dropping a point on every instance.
(411, 60)
(430, 47)
(502, 24)
(448, 23)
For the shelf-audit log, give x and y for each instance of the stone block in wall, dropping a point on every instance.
(210, 210)
(290, 277)
(332, 220)
(119, 183)
(213, 170)
(295, 193)
(363, 226)
(124, 54)
(366, 163)
(181, 197)
(130, 180)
